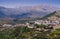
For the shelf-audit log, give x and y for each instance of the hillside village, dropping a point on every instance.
(52, 20)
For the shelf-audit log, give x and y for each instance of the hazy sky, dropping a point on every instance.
(16, 3)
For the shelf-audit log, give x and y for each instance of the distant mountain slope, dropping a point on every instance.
(26, 11)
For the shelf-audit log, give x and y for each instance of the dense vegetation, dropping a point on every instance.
(27, 33)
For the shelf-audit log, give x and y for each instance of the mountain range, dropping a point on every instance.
(27, 11)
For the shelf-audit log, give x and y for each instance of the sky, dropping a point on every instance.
(17, 3)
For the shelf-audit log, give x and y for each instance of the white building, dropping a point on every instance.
(7, 25)
(46, 22)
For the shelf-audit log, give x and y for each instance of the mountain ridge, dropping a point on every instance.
(25, 12)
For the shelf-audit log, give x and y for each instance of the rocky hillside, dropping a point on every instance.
(53, 16)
